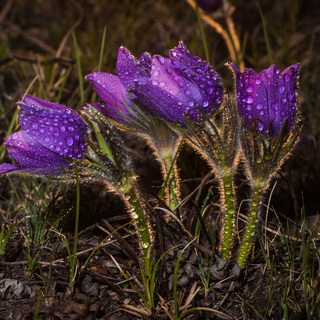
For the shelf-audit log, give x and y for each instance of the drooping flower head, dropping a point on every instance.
(169, 88)
(268, 99)
(52, 137)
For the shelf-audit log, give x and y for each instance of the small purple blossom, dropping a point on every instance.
(268, 98)
(169, 88)
(52, 135)
(209, 5)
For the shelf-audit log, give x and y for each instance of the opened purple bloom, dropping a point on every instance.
(269, 98)
(52, 135)
(170, 88)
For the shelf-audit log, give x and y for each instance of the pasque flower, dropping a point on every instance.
(52, 136)
(169, 88)
(268, 98)
(151, 93)
(268, 104)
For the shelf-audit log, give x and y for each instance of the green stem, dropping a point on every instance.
(228, 217)
(140, 220)
(171, 182)
(249, 234)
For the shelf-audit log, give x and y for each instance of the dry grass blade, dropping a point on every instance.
(136, 311)
(193, 292)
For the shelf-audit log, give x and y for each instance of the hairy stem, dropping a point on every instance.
(171, 182)
(228, 217)
(249, 234)
(139, 218)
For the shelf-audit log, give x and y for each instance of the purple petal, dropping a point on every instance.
(54, 126)
(32, 157)
(161, 103)
(130, 69)
(252, 100)
(8, 167)
(180, 85)
(111, 92)
(268, 98)
(36, 102)
(199, 74)
(281, 95)
(291, 91)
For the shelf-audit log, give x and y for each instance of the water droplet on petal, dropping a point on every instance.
(286, 78)
(249, 99)
(260, 126)
(259, 106)
(290, 96)
(69, 141)
(281, 89)
(274, 106)
(205, 103)
(191, 103)
(175, 64)
(62, 129)
(258, 81)
(187, 92)
(250, 88)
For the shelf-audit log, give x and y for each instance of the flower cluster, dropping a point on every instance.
(166, 99)
(168, 88)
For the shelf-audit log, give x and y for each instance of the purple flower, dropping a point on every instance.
(169, 88)
(268, 98)
(52, 137)
(209, 5)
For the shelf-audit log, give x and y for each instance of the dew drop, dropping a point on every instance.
(63, 129)
(274, 106)
(250, 88)
(70, 129)
(260, 126)
(187, 92)
(281, 89)
(191, 104)
(175, 64)
(145, 245)
(156, 73)
(249, 99)
(161, 59)
(205, 103)
(155, 82)
(14, 136)
(258, 81)
(286, 78)
(259, 106)
(69, 141)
